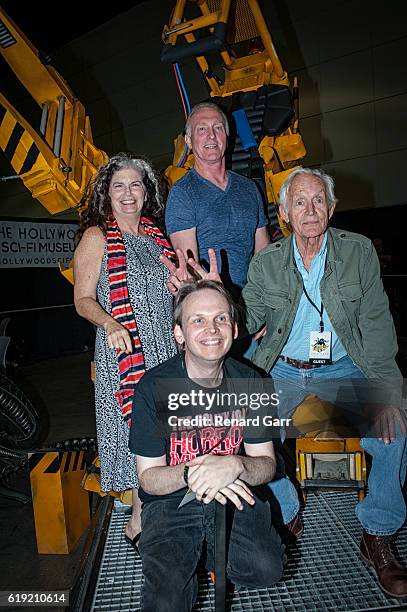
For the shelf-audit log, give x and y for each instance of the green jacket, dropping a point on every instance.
(351, 291)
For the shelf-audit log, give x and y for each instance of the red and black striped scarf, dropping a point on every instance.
(131, 367)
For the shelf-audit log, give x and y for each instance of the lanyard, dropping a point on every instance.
(319, 311)
(207, 452)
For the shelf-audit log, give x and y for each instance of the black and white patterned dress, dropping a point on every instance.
(152, 307)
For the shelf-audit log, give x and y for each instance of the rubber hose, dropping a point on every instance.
(17, 409)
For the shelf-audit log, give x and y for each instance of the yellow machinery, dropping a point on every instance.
(250, 78)
(61, 507)
(329, 462)
(327, 456)
(57, 160)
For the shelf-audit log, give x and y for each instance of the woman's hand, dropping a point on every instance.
(180, 274)
(118, 337)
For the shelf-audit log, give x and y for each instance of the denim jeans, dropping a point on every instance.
(383, 510)
(171, 545)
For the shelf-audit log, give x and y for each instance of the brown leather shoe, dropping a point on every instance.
(296, 527)
(391, 575)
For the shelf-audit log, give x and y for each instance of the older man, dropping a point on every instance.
(211, 207)
(322, 286)
(180, 441)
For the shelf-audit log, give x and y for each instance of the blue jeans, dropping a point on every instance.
(383, 510)
(171, 545)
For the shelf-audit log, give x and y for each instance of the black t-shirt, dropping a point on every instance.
(174, 416)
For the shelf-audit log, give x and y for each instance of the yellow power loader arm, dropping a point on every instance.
(56, 161)
(253, 81)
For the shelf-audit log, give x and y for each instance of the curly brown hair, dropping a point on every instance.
(96, 204)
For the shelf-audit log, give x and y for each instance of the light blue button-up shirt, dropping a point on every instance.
(307, 318)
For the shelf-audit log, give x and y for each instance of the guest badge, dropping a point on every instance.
(320, 347)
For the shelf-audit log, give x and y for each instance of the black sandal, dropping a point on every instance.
(133, 541)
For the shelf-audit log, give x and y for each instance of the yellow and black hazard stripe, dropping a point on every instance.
(6, 37)
(73, 461)
(18, 145)
(47, 463)
(52, 462)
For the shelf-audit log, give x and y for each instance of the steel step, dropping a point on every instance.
(324, 570)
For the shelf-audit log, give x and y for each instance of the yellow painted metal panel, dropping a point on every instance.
(61, 507)
(22, 149)
(7, 127)
(303, 472)
(358, 470)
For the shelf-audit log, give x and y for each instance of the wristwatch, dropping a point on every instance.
(186, 470)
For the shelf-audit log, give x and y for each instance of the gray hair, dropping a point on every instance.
(189, 288)
(326, 179)
(96, 201)
(200, 106)
(125, 160)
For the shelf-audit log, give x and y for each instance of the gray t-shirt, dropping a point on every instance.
(225, 220)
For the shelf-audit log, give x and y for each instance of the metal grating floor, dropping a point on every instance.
(324, 571)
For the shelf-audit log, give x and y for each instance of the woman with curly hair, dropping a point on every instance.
(120, 286)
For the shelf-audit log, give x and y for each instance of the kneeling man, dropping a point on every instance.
(202, 451)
